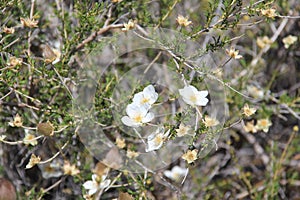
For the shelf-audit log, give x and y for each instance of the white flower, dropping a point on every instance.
(95, 184)
(194, 97)
(233, 53)
(145, 98)
(209, 121)
(263, 124)
(182, 130)
(176, 173)
(137, 115)
(255, 92)
(289, 40)
(29, 138)
(156, 139)
(53, 169)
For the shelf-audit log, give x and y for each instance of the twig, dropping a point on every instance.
(95, 34)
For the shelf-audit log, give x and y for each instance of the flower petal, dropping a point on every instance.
(89, 185)
(105, 184)
(129, 122)
(149, 117)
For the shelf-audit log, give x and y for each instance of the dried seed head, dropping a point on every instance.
(46, 129)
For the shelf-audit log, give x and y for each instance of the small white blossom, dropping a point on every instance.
(156, 139)
(255, 92)
(182, 130)
(263, 124)
(194, 97)
(92, 186)
(145, 98)
(137, 115)
(176, 173)
(289, 40)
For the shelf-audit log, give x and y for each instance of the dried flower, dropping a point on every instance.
(262, 42)
(70, 169)
(46, 129)
(190, 156)
(233, 53)
(270, 12)
(18, 122)
(8, 30)
(50, 55)
(289, 40)
(182, 130)
(248, 111)
(33, 161)
(100, 169)
(250, 128)
(26, 22)
(120, 143)
(263, 124)
(129, 25)
(209, 121)
(132, 154)
(183, 21)
(13, 61)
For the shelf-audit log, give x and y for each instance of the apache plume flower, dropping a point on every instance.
(209, 122)
(132, 154)
(193, 97)
(29, 139)
(289, 40)
(18, 122)
(120, 143)
(182, 130)
(263, 41)
(8, 30)
(145, 98)
(97, 183)
(183, 21)
(250, 128)
(13, 61)
(156, 139)
(137, 115)
(33, 161)
(263, 124)
(248, 111)
(129, 25)
(31, 23)
(190, 156)
(233, 53)
(176, 173)
(270, 12)
(70, 169)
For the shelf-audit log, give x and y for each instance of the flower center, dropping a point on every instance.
(145, 100)
(138, 118)
(193, 98)
(158, 139)
(263, 123)
(191, 157)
